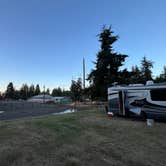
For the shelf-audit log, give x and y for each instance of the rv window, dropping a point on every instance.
(158, 94)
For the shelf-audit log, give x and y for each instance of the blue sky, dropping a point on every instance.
(44, 41)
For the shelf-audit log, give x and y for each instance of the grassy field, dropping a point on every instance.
(82, 138)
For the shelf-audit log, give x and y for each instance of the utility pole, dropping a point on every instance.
(83, 73)
(44, 94)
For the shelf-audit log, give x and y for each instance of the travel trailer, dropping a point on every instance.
(148, 101)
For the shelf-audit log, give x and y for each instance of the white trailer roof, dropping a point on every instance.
(143, 87)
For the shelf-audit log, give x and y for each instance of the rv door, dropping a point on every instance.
(123, 103)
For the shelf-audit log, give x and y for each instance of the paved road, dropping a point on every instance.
(15, 110)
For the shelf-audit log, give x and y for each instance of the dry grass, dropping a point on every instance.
(82, 138)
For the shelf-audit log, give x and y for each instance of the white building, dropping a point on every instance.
(41, 98)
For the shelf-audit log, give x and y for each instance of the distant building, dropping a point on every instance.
(41, 98)
(62, 99)
(48, 98)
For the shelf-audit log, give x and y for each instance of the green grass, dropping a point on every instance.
(66, 128)
(82, 138)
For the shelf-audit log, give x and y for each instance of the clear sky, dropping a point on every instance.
(44, 41)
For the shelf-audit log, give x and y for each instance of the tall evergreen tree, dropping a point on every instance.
(37, 90)
(10, 91)
(146, 69)
(24, 92)
(125, 77)
(136, 76)
(1, 97)
(107, 65)
(54, 92)
(76, 90)
(31, 90)
(17, 94)
(57, 92)
(66, 93)
(164, 73)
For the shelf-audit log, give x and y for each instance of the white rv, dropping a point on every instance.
(147, 100)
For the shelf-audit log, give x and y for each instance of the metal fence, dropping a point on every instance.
(23, 105)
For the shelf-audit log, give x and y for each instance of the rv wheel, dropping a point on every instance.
(143, 115)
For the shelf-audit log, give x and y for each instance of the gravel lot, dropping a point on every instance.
(19, 109)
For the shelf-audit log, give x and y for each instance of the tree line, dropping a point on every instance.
(26, 92)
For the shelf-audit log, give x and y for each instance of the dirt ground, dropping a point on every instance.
(82, 138)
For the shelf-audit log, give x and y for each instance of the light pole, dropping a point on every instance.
(83, 73)
(44, 94)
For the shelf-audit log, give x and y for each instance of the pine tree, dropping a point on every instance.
(125, 77)
(10, 91)
(76, 90)
(57, 92)
(1, 97)
(37, 90)
(31, 90)
(136, 76)
(24, 92)
(107, 65)
(146, 69)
